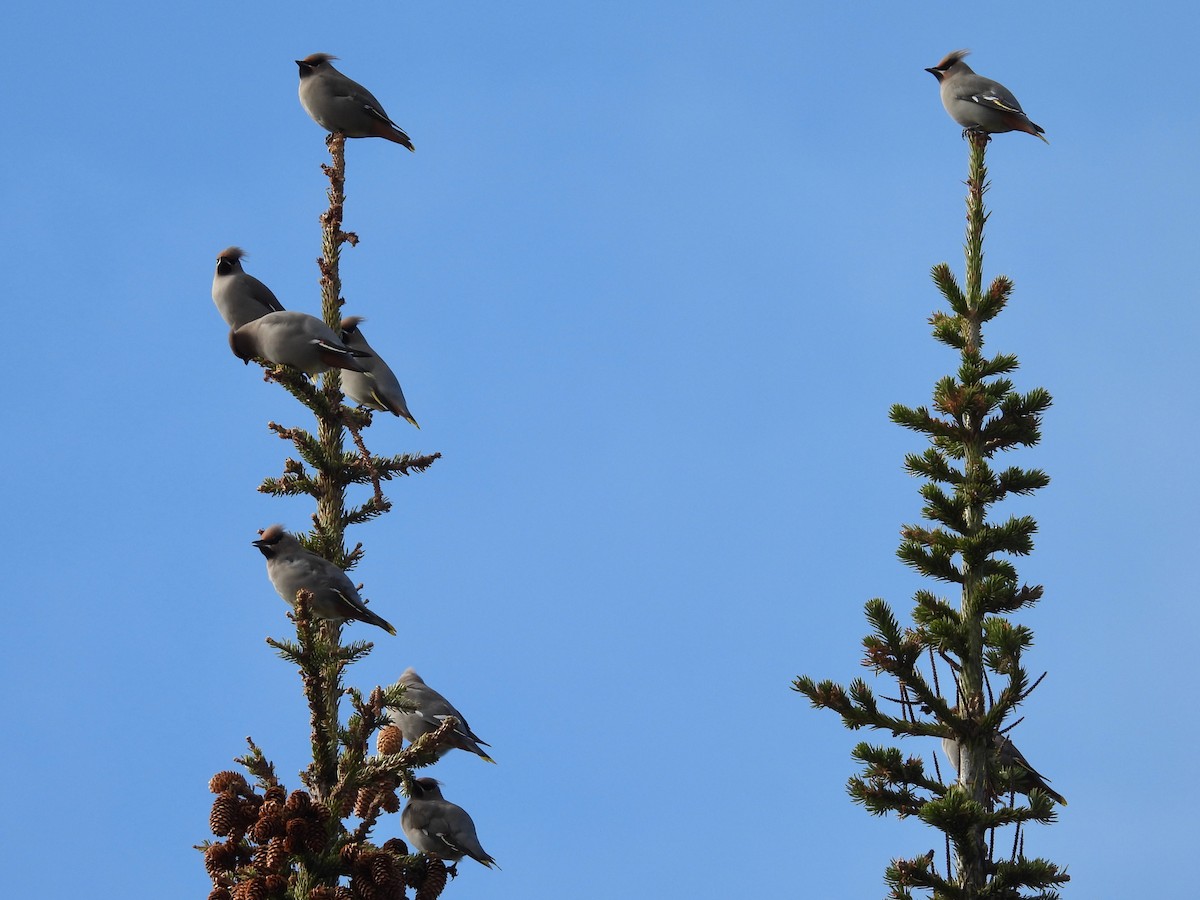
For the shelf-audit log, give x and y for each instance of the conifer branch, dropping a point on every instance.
(275, 844)
(974, 415)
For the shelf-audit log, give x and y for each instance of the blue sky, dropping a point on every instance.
(651, 282)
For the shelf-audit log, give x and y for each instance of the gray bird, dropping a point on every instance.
(338, 104)
(376, 387)
(1024, 777)
(439, 828)
(291, 568)
(977, 103)
(426, 710)
(294, 339)
(240, 298)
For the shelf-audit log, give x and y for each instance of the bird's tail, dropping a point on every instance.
(372, 619)
(395, 134)
(1034, 129)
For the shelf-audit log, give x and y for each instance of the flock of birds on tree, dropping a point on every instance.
(260, 328)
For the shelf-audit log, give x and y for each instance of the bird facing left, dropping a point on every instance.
(292, 568)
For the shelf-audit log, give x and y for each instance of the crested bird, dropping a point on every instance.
(339, 104)
(292, 568)
(979, 104)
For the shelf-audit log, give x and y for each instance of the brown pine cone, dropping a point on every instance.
(362, 802)
(251, 889)
(276, 857)
(298, 802)
(224, 814)
(247, 811)
(383, 869)
(222, 781)
(276, 792)
(297, 832)
(321, 813)
(271, 806)
(277, 884)
(389, 740)
(395, 846)
(388, 801)
(220, 893)
(316, 839)
(219, 858)
(267, 827)
(435, 880)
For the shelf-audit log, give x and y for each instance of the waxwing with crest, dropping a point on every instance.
(294, 339)
(376, 387)
(292, 568)
(439, 828)
(339, 104)
(979, 104)
(423, 710)
(240, 298)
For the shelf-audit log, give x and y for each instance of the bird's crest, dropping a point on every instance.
(315, 59)
(271, 533)
(951, 58)
(233, 253)
(350, 323)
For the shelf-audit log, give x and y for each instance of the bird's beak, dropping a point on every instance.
(258, 544)
(935, 73)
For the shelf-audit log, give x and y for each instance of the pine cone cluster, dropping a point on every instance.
(379, 873)
(376, 875)
(262, 832)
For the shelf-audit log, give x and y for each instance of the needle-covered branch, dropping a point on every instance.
(298, 845)
(974, 415)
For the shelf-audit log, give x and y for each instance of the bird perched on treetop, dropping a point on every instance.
(240, 298)
(977, 103)
(377, 387)
(425, 710)
(294, 339)
(435, 826)
(337, 103)
(291, 568)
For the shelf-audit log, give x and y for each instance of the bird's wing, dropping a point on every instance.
(999, 100)
(264, 295)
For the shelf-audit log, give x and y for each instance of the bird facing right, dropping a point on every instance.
(438, 827)
(979, 104)
(377, 386)
(294, 339)
(1024, 777)
(425, 710)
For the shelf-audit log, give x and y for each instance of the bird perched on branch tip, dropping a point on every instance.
(979, 104)
(339, 104)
